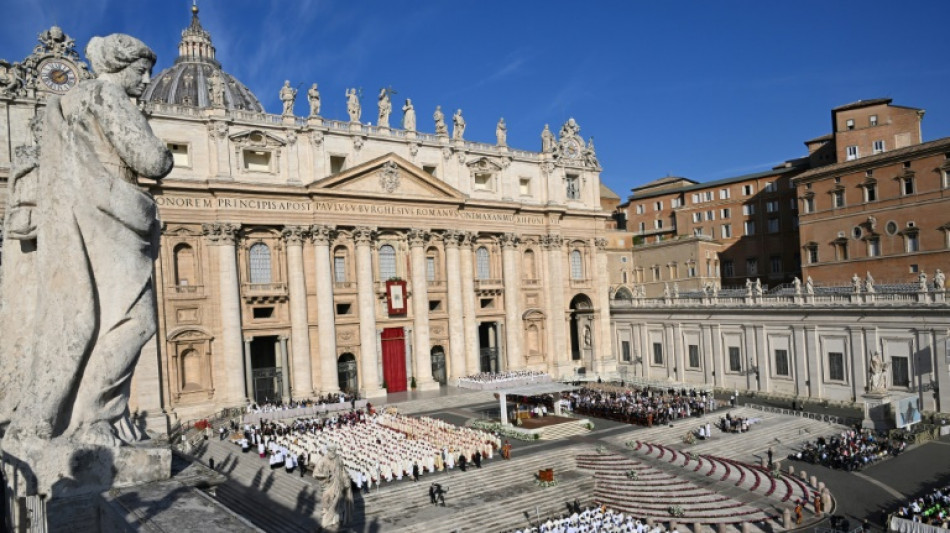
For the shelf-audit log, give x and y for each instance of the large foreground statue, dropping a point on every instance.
(78, 301)
(337, 495)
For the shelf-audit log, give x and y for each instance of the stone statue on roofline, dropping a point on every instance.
(458, 126)
(353, 107)
(501, 132)
(69, 350)
(313, 98)
(385, 107)
(877, 377)
(287, 96)
(940, 280)
(868, 283)
(216, 88)
(408, 116)
(439, 117)
(547, 140)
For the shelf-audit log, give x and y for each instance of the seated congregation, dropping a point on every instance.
(932, 508)
(852, 450)
(375, 447)
(596, 519)
(646, 406)
(501, 380)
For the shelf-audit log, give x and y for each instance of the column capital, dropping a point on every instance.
(221, 233)
(248, 339)
(294, 235)
(510, 240)
(451, 237)
(600, 243)
(552, 241)
(418, 237)
(363, 235)
(322, 234)
(467, 238)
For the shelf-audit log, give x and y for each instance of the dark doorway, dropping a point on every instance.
(266, 374)
(347, 373)
(393, 342)
(488, 346)
(438, 364)
(582, 320)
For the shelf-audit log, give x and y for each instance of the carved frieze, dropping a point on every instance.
(389, 177)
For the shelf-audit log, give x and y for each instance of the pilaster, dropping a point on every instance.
(326, 318)
(470, 323)
(366, 294)
(302, 383)
(420, 311)
(512, 275)
(453, 271)
(229, 373)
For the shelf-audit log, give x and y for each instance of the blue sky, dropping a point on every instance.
(701, 89)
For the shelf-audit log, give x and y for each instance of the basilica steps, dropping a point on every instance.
(565, 430)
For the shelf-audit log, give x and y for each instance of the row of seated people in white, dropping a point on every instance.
(388, 446)
(595, 520)
(512, 375)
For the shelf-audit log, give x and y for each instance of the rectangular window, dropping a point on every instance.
(836, 366)
(849, 123)
(749, 227)
(752, 266)
(708, 196)
(773, 225)
(524, 186)
(748, 209)
(344, 308)
(872, 120)
(658, 206)
(735, 359)
(691, 270)
(900, 372)
(747, 190)
(726, 231)
(878, 147)
(812, 254)
(771, 206)
(625, 350)
(710, 215)
(723, 194)
(870, 192)
(695, 198)
(912, 242)
(837, 198)
(810, 204)
(775, 264)
(573, 187)
(640, 209)
(642, 226)
(429, 168)
(793, 204)
(697, 232)
(874, 247)
(770, 186)
(781, 363)
(852, 153)
(675, 202)
(179, 154)
(725, 213)
(907, 185)
(483, 182)
(257, 161)
(657, 353)
(337, 163)
(728, 268)
(693, 356)
(658, 224)
(430, 269)
(339, 269)
(697, 216)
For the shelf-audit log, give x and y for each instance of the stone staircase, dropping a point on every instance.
(565, 430)
(500, 496)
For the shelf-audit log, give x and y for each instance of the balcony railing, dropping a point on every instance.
(580, 283)
(530, 282)
(188, 289)
(344, 285)
(264, 290)
(487, 284)
(436, 284)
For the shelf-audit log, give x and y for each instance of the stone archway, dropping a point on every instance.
(581, 328)
(438, 364)
(347, 373)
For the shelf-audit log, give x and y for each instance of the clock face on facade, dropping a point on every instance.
(572, 149)
(58, 76)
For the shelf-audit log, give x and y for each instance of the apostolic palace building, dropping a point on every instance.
(301, 254)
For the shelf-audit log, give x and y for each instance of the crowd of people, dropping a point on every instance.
(852, 450)
(645, 407)
(932, 509)
(595, 520)
(272, 406)
(502, 379)
(375, 447)
(736, 424)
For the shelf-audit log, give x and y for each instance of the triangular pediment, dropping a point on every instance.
(389, 176)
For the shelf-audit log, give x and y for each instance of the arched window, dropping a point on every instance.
(623, 293)
(527, 265)
(184, 265)
(432, 264)
(387, 262)
(260, 263)
(577, 266)
(482, 266)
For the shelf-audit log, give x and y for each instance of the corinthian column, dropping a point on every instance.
(555, 301)
(369, 361)
(456, 320)
(513, 330)
(468, 304)
(326, 319)
(420, 310)
(603, 348)
(302, 383)
(229, 372)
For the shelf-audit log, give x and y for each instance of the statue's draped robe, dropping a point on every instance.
(95, 304)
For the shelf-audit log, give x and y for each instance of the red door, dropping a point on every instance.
(394, 359)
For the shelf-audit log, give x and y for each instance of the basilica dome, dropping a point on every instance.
(187, 81)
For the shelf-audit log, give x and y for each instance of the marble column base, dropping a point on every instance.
(431, 385)
(373, 393)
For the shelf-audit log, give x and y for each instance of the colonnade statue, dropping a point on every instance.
(337, 498)
(78, 292)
